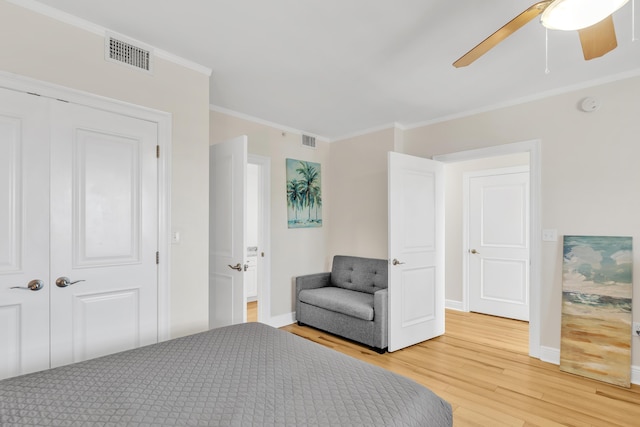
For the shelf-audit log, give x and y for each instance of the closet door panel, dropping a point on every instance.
(24, 234)
(104, 227)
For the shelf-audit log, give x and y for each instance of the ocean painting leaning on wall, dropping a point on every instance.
(304, 194)
(596, 308)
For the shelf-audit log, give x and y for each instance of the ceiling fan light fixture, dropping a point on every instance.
(571, 15)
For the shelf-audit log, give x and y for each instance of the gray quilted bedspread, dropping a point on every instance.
(241, 375)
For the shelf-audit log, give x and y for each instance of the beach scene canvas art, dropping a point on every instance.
(304, 194)
(596, 308)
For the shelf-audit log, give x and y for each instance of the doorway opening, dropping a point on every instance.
(257, 279)
(457, 247)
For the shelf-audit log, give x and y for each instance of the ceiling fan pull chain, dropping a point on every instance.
(546, 51)
(633, 21)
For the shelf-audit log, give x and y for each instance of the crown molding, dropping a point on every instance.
(394, 125)
(264, 122)
(98, 30)
(524, 100)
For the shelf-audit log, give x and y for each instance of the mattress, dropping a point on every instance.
(248, 374)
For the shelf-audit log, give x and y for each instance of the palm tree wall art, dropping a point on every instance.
(304, 194)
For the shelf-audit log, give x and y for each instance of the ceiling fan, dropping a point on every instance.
(591, 18)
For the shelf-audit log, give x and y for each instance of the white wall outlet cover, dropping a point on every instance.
(589, 104)
(550, 235)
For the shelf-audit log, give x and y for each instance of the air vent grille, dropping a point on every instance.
(309, 141)
(128, 53)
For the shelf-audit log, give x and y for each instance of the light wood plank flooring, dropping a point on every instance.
(252, 311)
(481, 367)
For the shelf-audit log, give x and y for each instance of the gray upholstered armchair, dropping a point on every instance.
(350, 301)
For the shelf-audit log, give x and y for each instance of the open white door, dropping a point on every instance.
(227, 225)
(416, 250)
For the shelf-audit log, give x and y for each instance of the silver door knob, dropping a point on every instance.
(63, 282)
(238, 266)
(396, 262)
(473, 251)
(34, 285)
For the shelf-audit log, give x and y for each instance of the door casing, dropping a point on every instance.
(535, 166)
(163, 121)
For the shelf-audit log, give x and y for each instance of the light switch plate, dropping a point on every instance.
(550, 235)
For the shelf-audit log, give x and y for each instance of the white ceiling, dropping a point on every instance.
(338, 67)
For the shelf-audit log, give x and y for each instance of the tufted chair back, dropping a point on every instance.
(359, 274)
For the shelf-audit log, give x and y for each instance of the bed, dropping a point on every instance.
(248, 374)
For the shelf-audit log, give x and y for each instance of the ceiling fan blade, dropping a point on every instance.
(504, 32)
(598, 39)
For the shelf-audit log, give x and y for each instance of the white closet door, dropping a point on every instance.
(24, 234)
(104, 228)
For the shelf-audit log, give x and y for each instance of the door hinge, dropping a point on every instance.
(157, 151)
(157, 257)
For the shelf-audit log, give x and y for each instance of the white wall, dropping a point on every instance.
(293, 251)
(45, 49)
(589, 165)
(358, 194)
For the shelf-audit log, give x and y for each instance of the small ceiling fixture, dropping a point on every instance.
(569, 15)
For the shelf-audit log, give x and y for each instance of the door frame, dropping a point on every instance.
(163, 120)
(466, 182)
(535, 162)
(264, 236)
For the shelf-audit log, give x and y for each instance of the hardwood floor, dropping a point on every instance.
(481, 366)
(252, 311)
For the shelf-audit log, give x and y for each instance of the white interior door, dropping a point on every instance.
(498, 242)
(416, 250)
(227, 226)
(104, 233)
(24, 234)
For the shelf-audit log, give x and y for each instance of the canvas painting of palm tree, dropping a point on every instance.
(596, 308)
(304, 194)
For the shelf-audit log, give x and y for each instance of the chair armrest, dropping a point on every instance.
(381, 317)
(310, 281)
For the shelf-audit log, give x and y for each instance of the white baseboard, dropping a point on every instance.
(550, 355)
(282, 320)
(453, 305)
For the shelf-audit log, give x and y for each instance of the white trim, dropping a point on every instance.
(524, 100)
(264, 122)
(550, 355)
(98, 30)
(282, 320)
(163, 120)
(533, 147)
(454, 305)
(635, 374)
(355, 134)
(264, 239)
(466, 177)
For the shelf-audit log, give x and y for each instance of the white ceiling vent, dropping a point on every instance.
(127, 52)
(309, 141)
